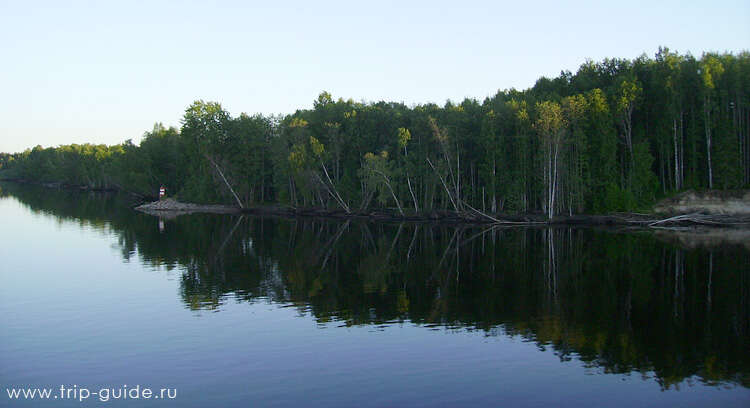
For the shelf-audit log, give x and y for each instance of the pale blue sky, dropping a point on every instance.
(103, 72)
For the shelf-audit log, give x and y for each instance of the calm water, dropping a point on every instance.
(246, 311)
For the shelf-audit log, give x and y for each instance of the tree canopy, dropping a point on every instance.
(615, 135)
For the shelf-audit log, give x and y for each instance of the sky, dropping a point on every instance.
(106, 71)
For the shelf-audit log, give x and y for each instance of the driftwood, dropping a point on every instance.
(703, 219)
(674, 219)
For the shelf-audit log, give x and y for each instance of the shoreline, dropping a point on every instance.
(76, 187)
(170, 208)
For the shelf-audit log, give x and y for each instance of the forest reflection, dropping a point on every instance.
(620, 302)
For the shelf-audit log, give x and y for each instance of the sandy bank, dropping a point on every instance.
(707, 202)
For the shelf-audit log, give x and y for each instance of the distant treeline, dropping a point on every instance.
(616, 135)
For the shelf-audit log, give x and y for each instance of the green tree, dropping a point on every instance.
(377, 173)
(711, 70)
(550, 125)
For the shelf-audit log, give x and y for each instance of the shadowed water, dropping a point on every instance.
(238, 310)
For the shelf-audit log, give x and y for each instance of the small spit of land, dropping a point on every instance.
(170, 207)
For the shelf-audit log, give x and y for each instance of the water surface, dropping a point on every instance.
(253, 311)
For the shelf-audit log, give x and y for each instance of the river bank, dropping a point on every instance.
(171, 208)
(77, 187)
(720, 209)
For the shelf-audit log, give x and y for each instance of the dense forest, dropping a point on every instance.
(614, 136)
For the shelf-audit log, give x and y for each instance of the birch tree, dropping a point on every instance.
(404, 136)
(205, 126)
(711, 69)
(448, 180)
(629, 92)
(550, 126)
(377, 174)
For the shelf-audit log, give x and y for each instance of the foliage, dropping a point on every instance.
(615, 135)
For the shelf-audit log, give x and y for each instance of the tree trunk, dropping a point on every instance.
(494, 189)
(676, 159)
(393, 194)
(554, 186)
(225, 180)
(447, 190)
(413, 197)
(707, 109)
(458, 176)
(682, 149)
(340, 200)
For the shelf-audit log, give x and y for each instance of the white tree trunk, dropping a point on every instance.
(393, 194)
(554, 185)
(676, 157)
(225, 181)
(447, 190)
(340, 200)
(413, 197)
(708, 142)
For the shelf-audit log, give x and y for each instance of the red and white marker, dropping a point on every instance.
(162, 192)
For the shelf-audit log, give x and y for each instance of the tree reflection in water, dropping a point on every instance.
(620, 302)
